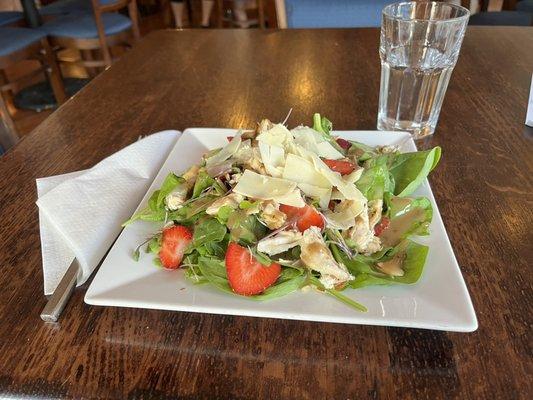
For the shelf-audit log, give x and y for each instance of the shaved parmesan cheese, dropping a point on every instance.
(300, 170)
(273, 158)
(226, 152)
(264, 187)
(354, 176)
(344, 215)
(347, 189)
(313, 141)
(322, 194)
(293, 198)
(336, 195)
(278, 135)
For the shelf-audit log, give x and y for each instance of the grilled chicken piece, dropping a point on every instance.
(279, 243)
(393, 267)
(271, 215)
(177, 197)
(375, 208)
(363, 235)
(316, 255)
(232, 200)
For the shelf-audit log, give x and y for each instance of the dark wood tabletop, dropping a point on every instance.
(172, 79)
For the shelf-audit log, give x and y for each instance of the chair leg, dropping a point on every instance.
(56, 80)
(220, 13)
(8, 132)
(87, 55)
(134, 16)
(261, 10)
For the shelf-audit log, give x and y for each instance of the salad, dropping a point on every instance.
(278, 210)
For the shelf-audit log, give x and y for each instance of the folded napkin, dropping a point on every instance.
(80, 213)
(529, 115)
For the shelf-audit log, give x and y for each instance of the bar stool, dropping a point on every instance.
(97, 30)
(18, 44)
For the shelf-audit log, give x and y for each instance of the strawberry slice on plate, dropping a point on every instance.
(341, 166)
(174, 242)
(305, 217)
(246, 275)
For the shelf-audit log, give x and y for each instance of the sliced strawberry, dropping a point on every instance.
(175, 241)
(340, 166)
(343, 143)
(246, 275)
(381, 226)
(305, 216)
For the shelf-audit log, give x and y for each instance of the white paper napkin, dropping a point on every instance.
(80, 213)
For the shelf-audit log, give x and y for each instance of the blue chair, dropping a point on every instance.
(525, 5)
(92, 31)
(63, 7)
(10, 17)
(18, 44)
(331, 14)
(502, 18)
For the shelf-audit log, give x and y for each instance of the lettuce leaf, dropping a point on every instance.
(410, 169)
(203, 181)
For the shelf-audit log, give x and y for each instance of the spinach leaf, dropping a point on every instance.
(223, 214)
(245, 228)
(170, 183)
(203, 181)
(410, 169)
(414, 257)
(209, 230)
(408, 216)
(375, 181)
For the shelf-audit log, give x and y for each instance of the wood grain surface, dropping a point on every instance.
(483, 185)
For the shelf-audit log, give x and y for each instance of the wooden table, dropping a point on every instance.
(232, 79)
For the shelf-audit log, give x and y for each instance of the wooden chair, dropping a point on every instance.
(18, 44)
(11, 18)
(260, 12)
(95, 31)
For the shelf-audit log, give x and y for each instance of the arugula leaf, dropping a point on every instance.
(170, 183)
(410, 169)
(209, 230)
(283, 287)
(146, 214)
(361, 151)
(154, 245)
(337, 294)
(203, 181)
(214, 271)
(223, 214)
(245, 228)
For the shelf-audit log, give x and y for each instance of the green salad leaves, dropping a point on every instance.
(357, 226)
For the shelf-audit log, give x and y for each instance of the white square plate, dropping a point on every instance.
(439, 300)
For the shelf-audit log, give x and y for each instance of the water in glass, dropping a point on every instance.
(417, 60)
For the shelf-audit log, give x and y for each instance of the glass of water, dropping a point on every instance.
(420, 43)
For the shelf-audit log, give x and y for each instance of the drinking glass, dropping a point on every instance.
(420, 43)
